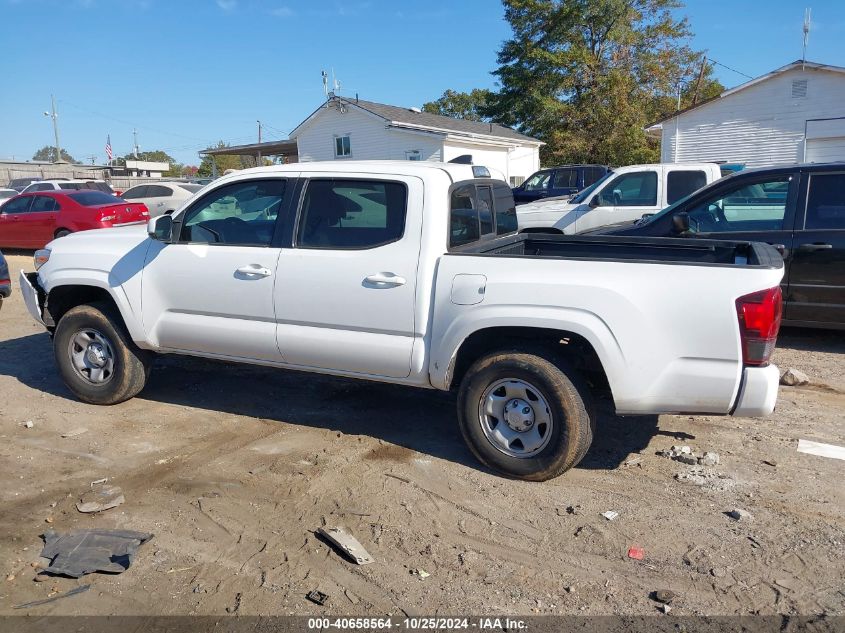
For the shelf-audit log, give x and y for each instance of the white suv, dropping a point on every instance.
(60, 185)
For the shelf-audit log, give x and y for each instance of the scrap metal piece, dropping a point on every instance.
(347, 543)
(317, 597)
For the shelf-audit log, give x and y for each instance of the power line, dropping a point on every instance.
(738, 72)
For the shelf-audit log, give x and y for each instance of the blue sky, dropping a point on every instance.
(187, 73)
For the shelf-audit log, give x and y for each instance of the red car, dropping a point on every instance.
(31, 220)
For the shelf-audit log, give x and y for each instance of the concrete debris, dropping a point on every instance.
(718, 572)
(707, 479)
(420, 572)
(665, 608)
(738, 514)
(28, 424)
(663, 595)
(610, 515)
(683, 454)
(709, 459)
(794, 378)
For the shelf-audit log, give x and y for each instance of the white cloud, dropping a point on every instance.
(227, 5)
(282, 12)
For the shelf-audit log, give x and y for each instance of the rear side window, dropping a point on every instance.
(43, 204)
(505, 210)
(566, 179)
(480, 211)
(88, 198)
(826, 202)
(463, 217)
(592, 174)
(680, 184)
(157, 191)
(41, 186)
(135, 192)
(70, 185)
(351, 214)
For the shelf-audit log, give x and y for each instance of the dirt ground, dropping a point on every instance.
(234, 468)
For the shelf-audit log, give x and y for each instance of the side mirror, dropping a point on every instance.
(161, 228)
(594, 201)
(680, 222)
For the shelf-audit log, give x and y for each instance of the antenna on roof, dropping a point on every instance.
(325, 83)
(335, 84)
(806, 29)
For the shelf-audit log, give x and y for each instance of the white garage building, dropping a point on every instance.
(794, 114)
(346, 129)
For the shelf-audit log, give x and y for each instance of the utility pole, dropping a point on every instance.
(135, 143)
(54, 115)
(258, 158)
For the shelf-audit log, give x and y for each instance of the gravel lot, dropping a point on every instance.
(234, 468)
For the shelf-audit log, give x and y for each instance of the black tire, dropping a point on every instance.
(131, 365)
(569, 402)
(61, 233)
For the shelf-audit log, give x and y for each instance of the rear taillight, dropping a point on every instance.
(759, 321)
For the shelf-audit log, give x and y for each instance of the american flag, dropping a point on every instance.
(108, 147)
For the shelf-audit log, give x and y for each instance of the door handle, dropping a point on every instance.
(385, 279)
(809, 248)
(255, 270)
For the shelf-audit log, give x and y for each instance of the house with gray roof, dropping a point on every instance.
(353, 129)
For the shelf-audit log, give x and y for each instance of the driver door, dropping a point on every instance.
(210, 291)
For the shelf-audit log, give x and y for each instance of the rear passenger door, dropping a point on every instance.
(682, 182)
(565, 182)
(817, 270)
(345, 294)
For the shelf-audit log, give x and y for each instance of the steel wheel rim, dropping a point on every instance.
(516, 418)
(91, 356)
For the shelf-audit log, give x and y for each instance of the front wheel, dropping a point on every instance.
(525, 416)
(97, 360)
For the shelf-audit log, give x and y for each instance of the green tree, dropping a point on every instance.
(158, 156)
(586, 76)
(225, 162)
(470, 106)
(48, 153)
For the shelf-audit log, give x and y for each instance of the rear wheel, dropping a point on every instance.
(525, 416)
(61, 233)
(97, 360)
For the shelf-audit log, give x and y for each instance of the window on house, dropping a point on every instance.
(413, 154)
(342, 146)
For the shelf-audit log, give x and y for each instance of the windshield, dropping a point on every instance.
(190, 187)
(584, 193)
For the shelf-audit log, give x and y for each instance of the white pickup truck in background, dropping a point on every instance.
(413, 273)
(622, 195)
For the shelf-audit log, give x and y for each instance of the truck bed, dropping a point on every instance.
(634, 249)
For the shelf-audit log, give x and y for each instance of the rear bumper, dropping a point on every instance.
(33, 296)
(759, 391)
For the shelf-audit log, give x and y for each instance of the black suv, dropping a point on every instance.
(800, 209)
(557, 181)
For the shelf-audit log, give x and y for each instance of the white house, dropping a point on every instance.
(794, 114)
(356, 129)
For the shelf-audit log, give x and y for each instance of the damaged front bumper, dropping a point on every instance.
(33, 296)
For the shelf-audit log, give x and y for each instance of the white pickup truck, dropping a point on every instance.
(624, 194)
(413, 273)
